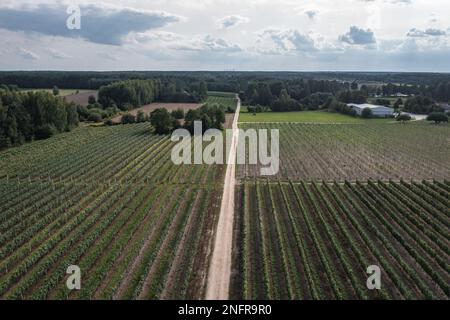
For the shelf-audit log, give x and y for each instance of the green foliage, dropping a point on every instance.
(420, 105)
(285, 103)
(26, 115)
(316, 100)
(438, 117)
(211, 116)
(397, 104)
(128, 118)
(403, 117)
(45, 132)
(55, 91)
(162, 121)
(383, 102)
(178, 114)
(92, 99)
(358, 97)
(141, 117)
(129, 94)
(226, 100)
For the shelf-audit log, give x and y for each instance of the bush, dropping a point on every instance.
(128, 118)
(162, 121)
(437, 117)
(178, 114)
(403, 117)
(92, 99)
(141, 117)
(383, 102)
(212, 117)
(95, 105)
(109, 122)
(44, 132)
(366, 113)
(94, 117)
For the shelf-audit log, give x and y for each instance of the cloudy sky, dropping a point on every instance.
(292, 35)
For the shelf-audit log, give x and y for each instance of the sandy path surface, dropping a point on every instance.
(220, 268)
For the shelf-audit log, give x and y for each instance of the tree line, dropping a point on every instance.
(33, 116)
(211, 116)
(130, 94)
(27, 116)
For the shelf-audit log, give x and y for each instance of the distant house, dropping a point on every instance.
(401, 95)
(377, 111)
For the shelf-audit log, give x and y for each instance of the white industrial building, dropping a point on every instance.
(377, 111)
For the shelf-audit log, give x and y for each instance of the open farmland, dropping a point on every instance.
(359, 152)
(340, 204)
(223, 98)
(147, 109)
(110, 201)
(81, 98)
(306, 117)
(315, 240)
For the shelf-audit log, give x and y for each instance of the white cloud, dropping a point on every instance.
(58, 55)
(277, 41)
(231, 21)
(205, 43)
(167, 34)
(99, 23)
(358, 36)
(27, 54)
(311, 14)
(430, 32)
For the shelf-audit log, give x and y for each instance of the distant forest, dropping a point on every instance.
(217, 81)
(28, 116)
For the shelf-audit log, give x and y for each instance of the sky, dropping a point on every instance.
(241, 35)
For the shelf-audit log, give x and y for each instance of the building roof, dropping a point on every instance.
(370, 106)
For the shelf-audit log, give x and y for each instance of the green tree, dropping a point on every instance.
(178, 114)
(403, 118)
(55, 91)
(128, 118)
(45, 132)
(437, 117)
(140, 116)
(203, 90)
(398, 104)
(162, 121)
(91, 99)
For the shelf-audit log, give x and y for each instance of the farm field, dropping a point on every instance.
(147, 109)
(81, 98)
(223, 98)
(297, 240)
(314, 152)
(109, 200)
(305, 117)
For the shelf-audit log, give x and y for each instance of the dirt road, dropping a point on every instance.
(220, 267)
